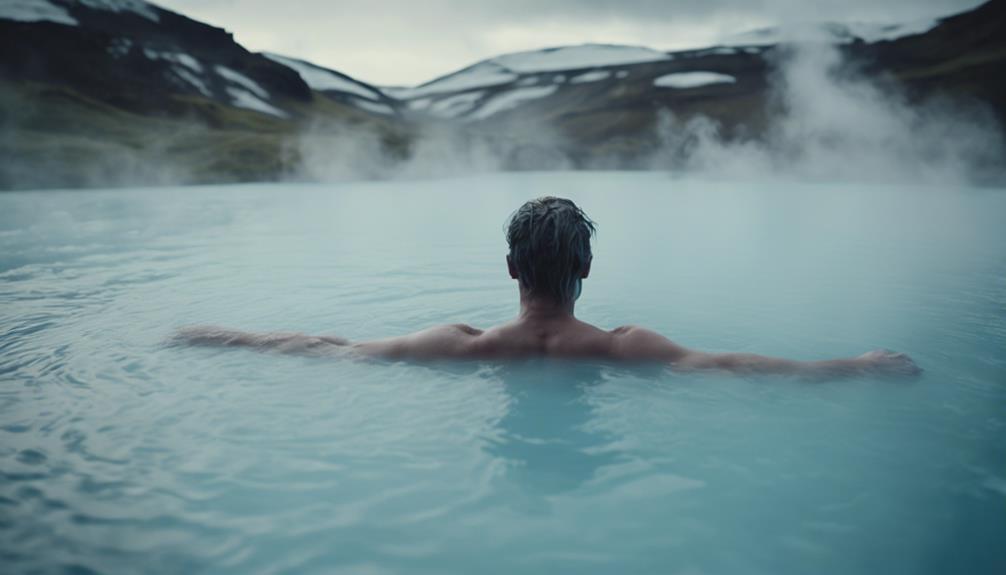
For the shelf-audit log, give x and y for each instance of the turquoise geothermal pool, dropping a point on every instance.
(120, 454)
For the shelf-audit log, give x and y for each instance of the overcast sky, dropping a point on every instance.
(407, 42)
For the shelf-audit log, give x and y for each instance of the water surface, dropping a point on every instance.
(120, 454)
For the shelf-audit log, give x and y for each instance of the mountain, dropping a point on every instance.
(117, 92)
(600, 103)
(85, 84)
(338, 86)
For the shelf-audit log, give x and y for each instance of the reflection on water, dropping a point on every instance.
(547, 436)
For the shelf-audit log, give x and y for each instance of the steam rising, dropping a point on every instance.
(331, 153)
(827, 122)
(337, 153)
(833, 124)
(32, 158)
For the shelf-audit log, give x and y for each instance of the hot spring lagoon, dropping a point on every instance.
(121, 454)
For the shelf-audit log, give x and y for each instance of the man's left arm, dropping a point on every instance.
(644, 345)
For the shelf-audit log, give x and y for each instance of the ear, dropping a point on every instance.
(510, 266)
(586, 270)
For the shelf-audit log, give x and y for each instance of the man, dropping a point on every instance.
(550, 256)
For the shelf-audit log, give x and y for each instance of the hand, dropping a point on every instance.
(887, 362)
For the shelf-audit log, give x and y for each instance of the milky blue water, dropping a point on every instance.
(120, 454)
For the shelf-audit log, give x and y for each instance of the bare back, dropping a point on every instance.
(561, 337)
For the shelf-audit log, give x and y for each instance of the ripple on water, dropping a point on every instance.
(118, 453)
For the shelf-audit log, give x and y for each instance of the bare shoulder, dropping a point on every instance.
(448, 340)
(452, 331)
(448, 330)
(624, 329)
(635, 343)
(633, 331)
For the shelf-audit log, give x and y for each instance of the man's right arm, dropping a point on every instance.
(439, 342)
(639, 344)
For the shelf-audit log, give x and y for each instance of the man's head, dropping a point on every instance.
(549, 242)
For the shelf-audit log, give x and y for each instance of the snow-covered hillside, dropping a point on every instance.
(522, 65)
(577, 57)
(506, 82)
(519, 65)
(333, 83)
(483, 91)
(56, 11)
(130, 70)
(35, 11)
(141, 44)
(323, 79)
(162, 55)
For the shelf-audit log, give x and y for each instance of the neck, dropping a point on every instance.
(532, 307)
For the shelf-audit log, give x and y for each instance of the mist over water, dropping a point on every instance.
(333, 153)
(39, 150)
(827, 121)
(330, 153)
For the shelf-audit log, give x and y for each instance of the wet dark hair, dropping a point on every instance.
(549, 242)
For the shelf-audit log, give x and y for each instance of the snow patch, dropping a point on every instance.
(193, 80)
(558, 79)
(572, 57)
(184, 67)
(321, 79)
(595, 76)
(480, 75)
(420, 104)
(509, 67)
(692, 79)
(245, 99)
(454, 106)
(721, 50)
(119, 47)
(375, 107)
(176, 58)
(35, 11)
(138, 7)
(622, 74)
(399, 92)
(529, 81)
(511, 99)
(245, 81)
(189, 62)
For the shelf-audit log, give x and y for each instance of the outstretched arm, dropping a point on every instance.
(294, 343)
(453, 340)
(645, 345)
